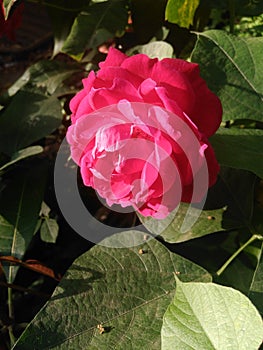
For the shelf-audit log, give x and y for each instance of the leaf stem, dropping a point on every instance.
(228, 262)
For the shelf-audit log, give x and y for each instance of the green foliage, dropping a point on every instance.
(196, 319)
(126, 298)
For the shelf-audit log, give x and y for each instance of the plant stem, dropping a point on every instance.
(10, 314)
(228, 262)
(231, 7)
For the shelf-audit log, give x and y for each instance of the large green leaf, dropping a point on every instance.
(232, 67)
(210, 317)
(181, 12)
(239, 148)
(256, 288)
(98, 23)
(226, 208)
(122, 289)
(28, 118)
(20, 203)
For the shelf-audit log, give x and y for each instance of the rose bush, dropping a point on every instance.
(140, 131)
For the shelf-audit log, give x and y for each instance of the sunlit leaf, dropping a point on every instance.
(155, 49)
(181, 12)
(209, 316)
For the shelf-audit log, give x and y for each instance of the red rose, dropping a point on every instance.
(148, 146)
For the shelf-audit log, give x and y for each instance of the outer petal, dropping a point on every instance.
(113, 59)
(207, 113)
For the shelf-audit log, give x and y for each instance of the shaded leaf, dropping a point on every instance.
(49, 230)
(209, 316)
(22, 154)
(181, 12)
(239, 148)
(232, 67)
(20, 203)
(62, 14)
(28, 118)
(46, 75)
(122, 290)
(98, 23)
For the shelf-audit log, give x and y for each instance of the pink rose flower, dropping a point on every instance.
(139, 133)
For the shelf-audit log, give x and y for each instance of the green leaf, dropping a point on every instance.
(49, 230)
(208, 316)
(125, 291)
(20, 203)
(28, 118)
(226, 208)
(232, 67)
(239, 148)
(100, 22)
(181, 12)
(256, 288)
(22, 154)
(155, 49)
